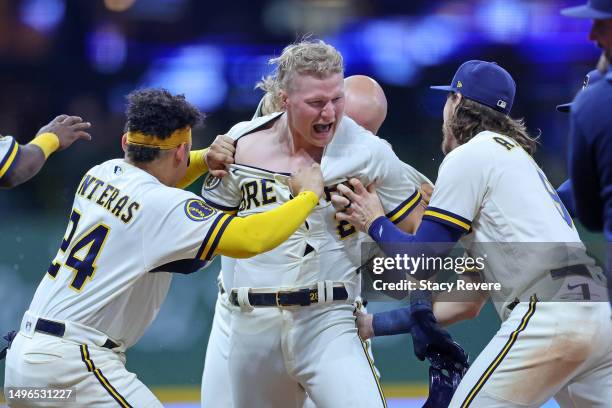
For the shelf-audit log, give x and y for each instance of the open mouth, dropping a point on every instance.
(322, 128)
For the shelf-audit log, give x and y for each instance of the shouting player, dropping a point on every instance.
(366, 104)
(127, 226)
(19, 163)
(301, 294)
(489, 190)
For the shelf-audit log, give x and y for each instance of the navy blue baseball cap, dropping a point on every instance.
(484, 82)
(589, 79)
(594, 9)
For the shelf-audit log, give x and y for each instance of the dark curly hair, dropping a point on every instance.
(156, 112)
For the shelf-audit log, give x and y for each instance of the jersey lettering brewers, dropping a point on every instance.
(322, 248)
(299, 350)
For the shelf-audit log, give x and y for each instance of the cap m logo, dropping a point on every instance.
(459, 84)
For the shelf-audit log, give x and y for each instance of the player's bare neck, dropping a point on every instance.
(274, 149)
(156, 169)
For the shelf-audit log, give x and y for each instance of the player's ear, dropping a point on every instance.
(182, 153)
(124, 142)
(283, 98)
(457, 97)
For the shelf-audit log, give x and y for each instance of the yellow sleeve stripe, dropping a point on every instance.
(9, 159)
(404, 209)
(447, 218)
(213, 236)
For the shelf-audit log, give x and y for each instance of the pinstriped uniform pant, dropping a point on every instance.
(544, 350)
(97, 375)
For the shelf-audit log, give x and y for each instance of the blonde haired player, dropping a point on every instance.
(366, 104)
(129, 225)
(303, 291)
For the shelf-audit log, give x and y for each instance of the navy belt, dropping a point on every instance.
(574, 270)
(58, 329)
(303, 297)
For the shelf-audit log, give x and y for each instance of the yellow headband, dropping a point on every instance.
(177, 137)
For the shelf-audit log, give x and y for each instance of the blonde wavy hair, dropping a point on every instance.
(307, 57)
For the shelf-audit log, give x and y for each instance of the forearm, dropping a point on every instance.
(392, 322)
(432, 239)
(197, 167)
(458, 305)
(30, 160)
(258, 233)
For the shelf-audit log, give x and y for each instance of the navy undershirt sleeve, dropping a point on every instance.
(566, 194)
(394, 241)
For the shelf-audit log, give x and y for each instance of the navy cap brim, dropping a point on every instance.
(585, 11)
(446, 88)
(564, 108)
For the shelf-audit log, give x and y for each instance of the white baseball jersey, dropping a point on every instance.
(124, 225)
(492, 189)
(9, 152)
(322, 248)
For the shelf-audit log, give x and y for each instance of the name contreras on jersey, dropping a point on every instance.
(106, 196)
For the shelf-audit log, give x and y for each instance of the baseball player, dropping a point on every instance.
(366, 104)
(301, 294)
(128, 227)
(19, 163)
(590, 154)
(489, 189)
(565, 190)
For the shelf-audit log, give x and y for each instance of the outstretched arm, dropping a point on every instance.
(59, 134)
(258, 233)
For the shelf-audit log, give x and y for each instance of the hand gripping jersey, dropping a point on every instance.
(494, 191)
(124, 224)
(322, 248)
(9, 153)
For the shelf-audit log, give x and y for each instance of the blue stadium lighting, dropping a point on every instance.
(196, 71)
(503, 21)
(158, 10)
(107, 49)
(244, 71)
(434, 39)
(42, 15)
(385, 43)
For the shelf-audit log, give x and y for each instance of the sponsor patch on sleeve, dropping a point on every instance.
(211, 182)
(198, 210)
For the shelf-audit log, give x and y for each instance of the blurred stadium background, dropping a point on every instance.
(82, 57)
